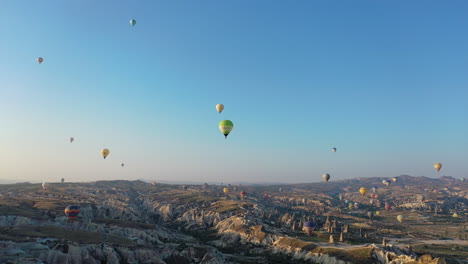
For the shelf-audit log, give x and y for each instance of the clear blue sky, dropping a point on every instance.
(386, 82)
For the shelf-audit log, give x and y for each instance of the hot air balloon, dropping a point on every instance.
(374, 188)
(154, 183)
(363, 191)
(387, 207)
(226, 127)
(45, 185)
(326, 177)
(62, 180)
(184, 187)
(386, 182)
(132, 22)
(243, 194)
(226, 190)
(350, 205)
(346, 201)
(265, 195)
(377, 212)
(438, 166)
(105, 153)
(72, 139)
(72, 211)
(219, 108)
(370, 214)
(309, 227)
(340, 197)
(334, 149)
(356, 205)
(280, 189)
(462, 179)
(123, 164)
(40, 60)
(400, 218)
(395, 179)
(455, 215)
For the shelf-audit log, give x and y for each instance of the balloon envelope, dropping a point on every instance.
(387, 207)
(72, 211)
(226, 127)
(363, 191)
(132, 22)
(226, 190)
(105, 153)
(438, 166)
(400, 218)
(309, 227)
(40, 60)
(326, 177)
(334, 149)
(72, 139)
(45, 185)
(219, 107)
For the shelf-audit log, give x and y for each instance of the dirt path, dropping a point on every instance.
(406, 241)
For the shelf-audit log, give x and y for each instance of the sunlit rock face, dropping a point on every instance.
(135, 222)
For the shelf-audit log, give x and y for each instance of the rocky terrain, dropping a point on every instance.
(138, 222)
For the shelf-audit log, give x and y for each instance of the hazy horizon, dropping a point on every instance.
(383, 82)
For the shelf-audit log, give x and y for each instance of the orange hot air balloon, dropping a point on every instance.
(387, 207)
(363, 191)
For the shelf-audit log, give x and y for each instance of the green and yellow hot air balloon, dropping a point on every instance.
(226, 127)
